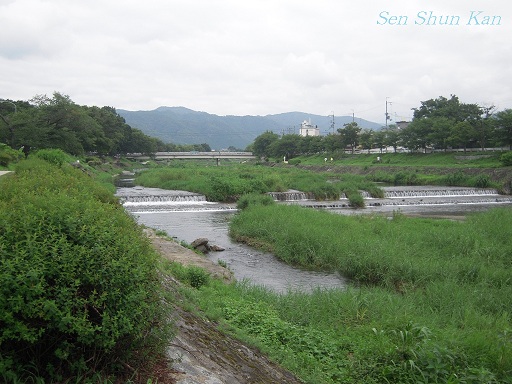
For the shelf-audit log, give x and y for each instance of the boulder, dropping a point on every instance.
(202, 246)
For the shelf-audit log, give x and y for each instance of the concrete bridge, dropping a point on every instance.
(192, 155)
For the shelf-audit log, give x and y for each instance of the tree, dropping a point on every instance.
(263, 142)
(286, 147)
(440, 132)
(366, 138)
(379, 138)
(416, 135)
(462, 134)
(503, 125)
(440, 107)
(350, 135)
(392, 137)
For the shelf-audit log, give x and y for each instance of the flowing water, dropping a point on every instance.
(187, 216)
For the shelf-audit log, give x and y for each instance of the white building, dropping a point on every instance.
(308, 129)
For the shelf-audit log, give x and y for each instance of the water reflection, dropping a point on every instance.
(195, 218)
(246, 263)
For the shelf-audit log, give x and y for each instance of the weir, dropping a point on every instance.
(162, 198)
(403, 195)
(141, 199)
(290, 195)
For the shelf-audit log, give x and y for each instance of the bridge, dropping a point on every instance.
(192, 155)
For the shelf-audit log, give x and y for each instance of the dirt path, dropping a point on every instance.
(202, 354)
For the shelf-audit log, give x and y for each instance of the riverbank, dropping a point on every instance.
(201, 353)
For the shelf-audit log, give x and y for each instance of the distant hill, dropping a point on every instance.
(181, 125)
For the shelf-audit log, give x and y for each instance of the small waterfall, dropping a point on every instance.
(290, 195)
(433, 192)
(146, 200)
(194, 198)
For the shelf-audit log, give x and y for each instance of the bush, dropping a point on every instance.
(405, 178)
(482, 181)
(9, 155)
(326, 192)
(355, 199)
(79, 290)
(53, 156)
(506, 158)
(456, 179)
(251, 199)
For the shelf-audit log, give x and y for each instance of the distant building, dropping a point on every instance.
(307, 129)
(402, 124)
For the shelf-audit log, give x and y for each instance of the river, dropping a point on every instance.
(187, 216)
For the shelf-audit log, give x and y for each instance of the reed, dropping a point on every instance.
(430, 299)
(231, 182)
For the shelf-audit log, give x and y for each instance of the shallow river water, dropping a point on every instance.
(191, 217)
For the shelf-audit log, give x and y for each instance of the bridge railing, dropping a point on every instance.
(191, 155)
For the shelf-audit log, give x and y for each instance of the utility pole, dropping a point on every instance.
(387, 114)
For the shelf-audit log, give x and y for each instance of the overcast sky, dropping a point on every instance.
(233, 57)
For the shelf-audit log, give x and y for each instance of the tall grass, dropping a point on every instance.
(429, 301)
(231, 182)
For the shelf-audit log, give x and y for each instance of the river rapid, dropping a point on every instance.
(187, 216)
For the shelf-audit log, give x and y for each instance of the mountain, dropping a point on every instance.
(181, 125)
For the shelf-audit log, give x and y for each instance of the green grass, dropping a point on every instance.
(229, 183)
(429, 301)
(445, 159)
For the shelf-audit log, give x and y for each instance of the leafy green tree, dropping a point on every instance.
(66, 125)
(503, 124)
(332, 143)
(451, 109)
(441, 132)
(262, 144)
(310, 144)
(366, 138)
(350, 135)
(379, 139)
(286, 147)
(416, 135)
(202, 147)
(462, 134)
(392, 136)
(114, 129)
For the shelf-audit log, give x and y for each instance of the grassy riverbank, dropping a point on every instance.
(429, 302)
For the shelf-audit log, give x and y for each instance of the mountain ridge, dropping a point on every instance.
(181, 125)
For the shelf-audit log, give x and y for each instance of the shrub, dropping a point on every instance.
(79, 290)
(355, 199)
(326, 192)
(506, 158)
(197, 277)
(294, 161)
(251, 199)
(9, 155)
(53, 156)
(405, 178)
(482, 181)
(456, 179)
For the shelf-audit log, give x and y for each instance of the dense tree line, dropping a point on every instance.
(438, 124)
(58, 122)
